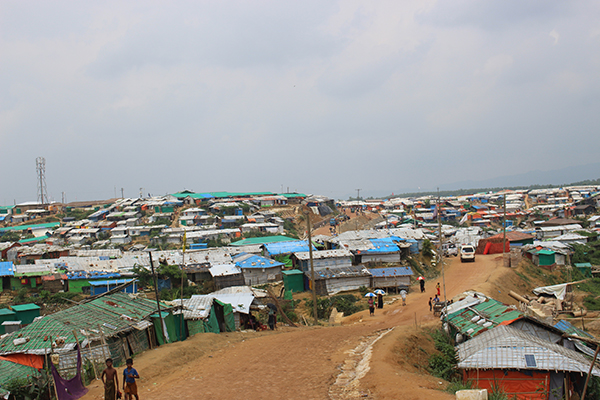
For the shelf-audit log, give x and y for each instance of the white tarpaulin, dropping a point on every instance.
(555, 290)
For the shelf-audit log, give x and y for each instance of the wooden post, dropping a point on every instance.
(80, 352)
(279, 308)
(92, 357)
(104, 345)
(587, 379)
(53, 380)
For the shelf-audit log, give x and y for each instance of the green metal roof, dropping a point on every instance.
(263, 240)
(583, 265)
(25, 307)
(239, 194)
(34, 226)
(292, 272)
(114, 313)
(292, 195)
(7, 207)
(546, 252)
(35, 239)
(6, 311)
(10, 371)
(492, 310)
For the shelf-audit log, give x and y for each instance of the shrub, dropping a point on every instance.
(443, 364)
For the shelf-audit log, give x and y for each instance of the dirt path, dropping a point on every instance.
(306, 363)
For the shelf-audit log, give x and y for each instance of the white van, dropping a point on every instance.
(467, 253)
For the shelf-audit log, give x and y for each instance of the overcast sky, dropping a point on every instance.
(319, 96)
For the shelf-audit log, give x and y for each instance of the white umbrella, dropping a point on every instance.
(379, 291)
(370, 295)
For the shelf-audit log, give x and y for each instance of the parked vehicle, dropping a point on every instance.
(450, 249)
(467, 253)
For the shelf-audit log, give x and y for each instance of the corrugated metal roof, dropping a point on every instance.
(197, 307)
(7, 268)
(472, 321)
(321, 254)
(342, 272)
(568, 328)
(240, 302)
(395, 271)
(505, 347)
(224, 270)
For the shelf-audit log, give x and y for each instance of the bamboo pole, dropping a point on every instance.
(79, 348)
(587, 379)
(92, 356)
(53, 380)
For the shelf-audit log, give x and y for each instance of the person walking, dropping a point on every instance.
(379, 300)
(371, 306)
(437, 287)
(403, 295)
(422, 283)
(430, 304)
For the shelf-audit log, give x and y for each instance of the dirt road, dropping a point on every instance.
(345, 362)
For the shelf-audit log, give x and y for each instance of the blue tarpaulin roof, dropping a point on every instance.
(287, 247)
(254, 261)
(104, 283)
(93, 275)
(7, 268)
(567, 327)
(383, 245)
(395, 271)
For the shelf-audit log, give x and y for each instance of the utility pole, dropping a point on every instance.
(312, 268)
(441, 254)
(162, 328)
(357, 194)
(122, 194)
(504, 232)
(182, 275)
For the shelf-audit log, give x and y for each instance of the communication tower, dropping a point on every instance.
(42, 192)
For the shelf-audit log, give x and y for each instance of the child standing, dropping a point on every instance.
(129, 385)
(110, 379)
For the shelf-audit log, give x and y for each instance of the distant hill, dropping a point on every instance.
(570, 176)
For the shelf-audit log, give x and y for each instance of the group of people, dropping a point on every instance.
(110, 379)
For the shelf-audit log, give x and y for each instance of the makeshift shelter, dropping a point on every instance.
(99, 287)
(475, 319)
(390, 277)
(258, 270)
(121, 319)
(332, 281)
(323, 259)
(493, 244)
(522, 364)
(225, 275)
(7, 270)
(282, 251)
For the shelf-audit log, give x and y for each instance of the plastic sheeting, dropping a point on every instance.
(557, 291)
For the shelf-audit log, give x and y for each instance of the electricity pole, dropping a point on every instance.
(162, 328)
(312, 268)
(504, 233)
(441, 254)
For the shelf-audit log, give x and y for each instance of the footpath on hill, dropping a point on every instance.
(355, 360)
